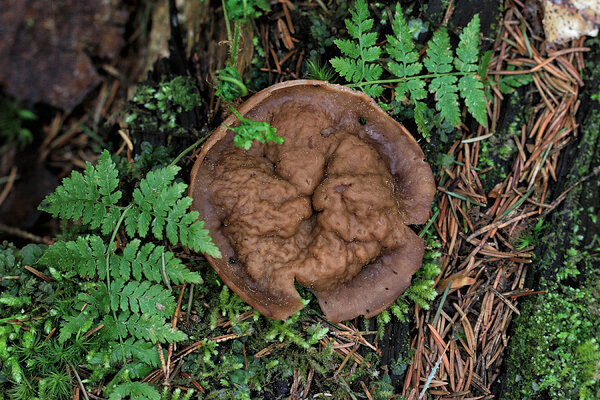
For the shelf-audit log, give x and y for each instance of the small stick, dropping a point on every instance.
(80, 382)
(24, 234)
(11, 181)
(189, 305)
(39, 274)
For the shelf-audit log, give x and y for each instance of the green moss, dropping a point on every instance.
(555, 349)
(158, 108)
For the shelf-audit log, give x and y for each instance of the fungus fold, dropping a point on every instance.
(328, 208)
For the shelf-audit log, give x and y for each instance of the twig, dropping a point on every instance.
(9, 184)
(24, 234)
(80, 382)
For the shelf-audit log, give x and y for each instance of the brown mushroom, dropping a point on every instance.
(327, 209)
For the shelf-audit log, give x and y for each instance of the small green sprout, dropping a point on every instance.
(249, 130)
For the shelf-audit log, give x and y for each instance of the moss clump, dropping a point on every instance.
(555, 348)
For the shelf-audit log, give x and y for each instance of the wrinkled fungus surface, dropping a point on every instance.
(327, 209)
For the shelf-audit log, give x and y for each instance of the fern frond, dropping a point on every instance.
(148, 260)
(152, 328)
(144, 297)
(446, 97)
(159, 205)
(136, 349)
(470, 85)
(91, 196)
(439, 55)
(134, 390)
(471, 90)
(85, 257)
(439, 61)
(467, 51)
(404, 59)
(76, 324)
(359, 65)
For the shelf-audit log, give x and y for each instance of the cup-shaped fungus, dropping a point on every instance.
(328, 208)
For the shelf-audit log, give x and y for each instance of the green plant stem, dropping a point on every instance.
(236, 82)
(108, 253)
(236, 43)
(407, 78)
(229, 36)
(187, 150)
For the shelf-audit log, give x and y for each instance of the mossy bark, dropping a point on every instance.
(568, 268)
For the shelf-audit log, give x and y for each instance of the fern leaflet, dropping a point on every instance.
(91, 196)
(159, 205)
(405, 59)
(85, 257)
(145, 327)
(439, 62)
(135, 390)
(470, 85)
(148, 259)
(361, 53)
(144, 297)
(135, 349)
(75, 325)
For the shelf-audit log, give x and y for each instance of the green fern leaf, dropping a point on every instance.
(470, 85)
(404, 63)
(439, 55)
(131, 348)
(370, 53)
(348, 47)
(97, 299)
(160, 205)
(91, 196)
(446, 98)
(76, 325)
(151, 328)
(179, 273)
(134, 391)
(401, 47)
(420, 120)
(146, 298)
(439, 61)
(147, 260)
(197, 238)
(85, 256)
(471, 90)
(373, 90)
(467, 51)
(347, 68)
(372, 72)
(359, 65)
